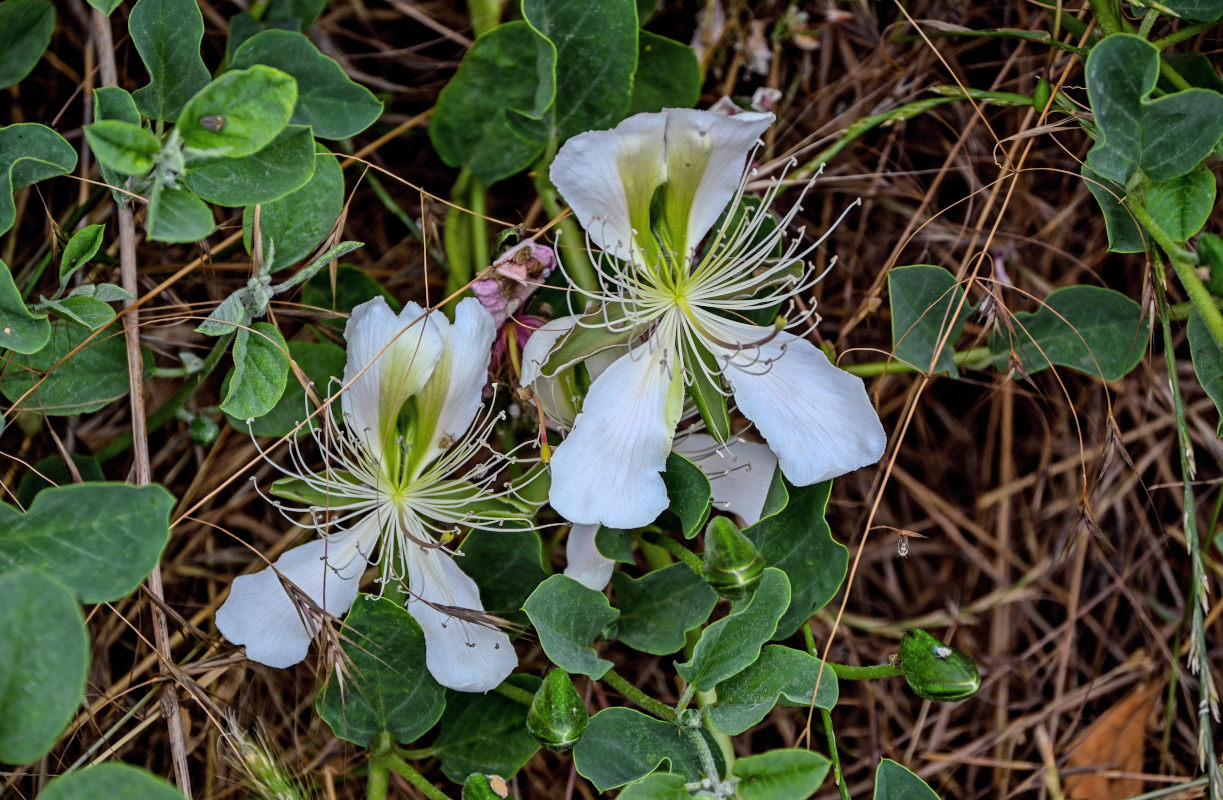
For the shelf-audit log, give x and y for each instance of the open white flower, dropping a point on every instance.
(647, 192)
(395, 487)
(739, 471)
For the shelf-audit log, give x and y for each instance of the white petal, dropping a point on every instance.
(540, 345)
(449, 401)
(706, 155)
(461, 655)
(608, 470)
(586, 564)
(608, 178)
(389, 359)
(816, 418)
(559, 407)
(276, 630)
(740, 472)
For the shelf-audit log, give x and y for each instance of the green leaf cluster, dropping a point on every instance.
(526, 86)
(1093, 330)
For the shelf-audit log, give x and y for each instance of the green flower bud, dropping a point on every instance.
(485, 787)
(935, 671)
(558, 717)
(733, 565)
(1040, 96)
(203, 430)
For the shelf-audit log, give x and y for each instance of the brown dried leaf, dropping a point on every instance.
(1113, 743)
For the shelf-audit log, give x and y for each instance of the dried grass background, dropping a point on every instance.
(1050, 505)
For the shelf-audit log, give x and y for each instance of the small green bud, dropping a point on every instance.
(485, 787)
(610, 632)
(1040, 96)
(558, 717)
(936, 671)
(733, 565)
(203, 431)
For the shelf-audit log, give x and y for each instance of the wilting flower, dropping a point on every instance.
(739, 471)
(647, 193)
(396, 485)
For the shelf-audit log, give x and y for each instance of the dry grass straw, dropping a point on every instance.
(1050, 504)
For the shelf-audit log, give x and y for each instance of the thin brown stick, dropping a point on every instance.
(140, 444)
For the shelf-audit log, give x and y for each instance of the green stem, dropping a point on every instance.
(900, 114)
(414, 753)
(1179, 312)
(703, 701)
(684, 699)
(1199, 655)
(617, 682)
(1040, 37)
(1183, 263)
(846, 672)
(691, 723)
(676, 549)
(405, 770)
(169, 409)
(1148, 21)
(974, 358)
(514, 693)
(1183, 34)
(1106, 15)
(485, 15)
(379, 780)
(571, 248)
(456, 237)
(478, 203)
(838, 774)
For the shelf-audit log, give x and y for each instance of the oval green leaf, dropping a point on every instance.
(20, 331)
(787, 774)
(485, 733)
(297, 222)
(167, 35)
(44, 655)
(928, 314)
(29, 153)
(733, 643)
(260, 373)
(88, 378)
(319, 362)
(1165, 138)
(240, 112)
(25, 32)
(657, 610)
(176, 215)
(109, 780)
(781, 676)
(568, 616)
(327, 99)
(622, 745)
(123, 147)
(798, 541)
(505, 76)
(99, 539)
(387, 686)
(894, 782)
(284, 165)
(1094, 330)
